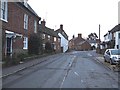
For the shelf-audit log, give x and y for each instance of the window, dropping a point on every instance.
(43, 36)
(25, 42)
(25, 21)
(119, 35)
(48, 37)
(3, 10)
(44, 46)
(54, 39)
(35, 26)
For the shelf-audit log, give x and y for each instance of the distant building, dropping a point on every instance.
(78, 43)
(19, 20)
(49, 35)
(64, 38)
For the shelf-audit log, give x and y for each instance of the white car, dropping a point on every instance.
(112, 56)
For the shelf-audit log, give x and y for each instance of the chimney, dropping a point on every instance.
(79, 35)
(73, 36)
(43, 22)
(61, 27)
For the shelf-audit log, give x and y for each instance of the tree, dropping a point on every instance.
(34, 44)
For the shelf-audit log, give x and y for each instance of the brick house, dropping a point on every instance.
(49, 35)
(18, 21)
(78, 43)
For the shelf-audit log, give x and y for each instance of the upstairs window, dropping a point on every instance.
(35, 26)
(55, 39)
(43, 36)
(3, 10)
(25, 21)
(48, 37)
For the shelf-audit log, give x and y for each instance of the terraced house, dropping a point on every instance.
(49, 36)
(18, 21)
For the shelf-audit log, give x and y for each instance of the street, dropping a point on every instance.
(77, 69)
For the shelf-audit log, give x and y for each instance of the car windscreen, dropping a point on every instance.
(115, 52)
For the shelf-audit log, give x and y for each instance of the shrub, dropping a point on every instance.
(34, 44)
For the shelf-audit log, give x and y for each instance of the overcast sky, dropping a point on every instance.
(78, 16)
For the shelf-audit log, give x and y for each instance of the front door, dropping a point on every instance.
(9, 46)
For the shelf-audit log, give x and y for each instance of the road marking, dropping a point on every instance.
(89, 54)
(76, 73)
(63, 81)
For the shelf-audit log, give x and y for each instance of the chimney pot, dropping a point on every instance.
(79, 35)
(61, 26)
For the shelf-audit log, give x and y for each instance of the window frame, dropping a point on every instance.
(25, 43)
(35, 26)
(25, 21)
(4, 10)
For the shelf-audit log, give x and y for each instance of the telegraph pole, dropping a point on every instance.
(99, 38)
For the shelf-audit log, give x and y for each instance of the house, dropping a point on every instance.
(93, 40)
(78, 43)
(64, 38)
(49, 35)
(19, 20)
(112, 38)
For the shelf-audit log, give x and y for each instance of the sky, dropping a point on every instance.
(78, 16)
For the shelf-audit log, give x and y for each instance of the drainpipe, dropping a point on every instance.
(0, 54)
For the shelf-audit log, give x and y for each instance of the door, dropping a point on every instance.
(9, 46)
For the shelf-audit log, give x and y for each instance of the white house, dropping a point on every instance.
(64, 38)
(112, 38)
(117, 39)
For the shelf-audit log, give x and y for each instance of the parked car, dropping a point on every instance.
(112, 56)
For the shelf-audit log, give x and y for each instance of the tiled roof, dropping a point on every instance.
(29, 8)
(116, 28)
(62, 32)
(48, 31)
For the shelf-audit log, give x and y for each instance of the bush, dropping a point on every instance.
(48, 47)
(34, 44)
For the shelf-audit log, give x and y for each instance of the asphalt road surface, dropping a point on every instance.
(77, 69)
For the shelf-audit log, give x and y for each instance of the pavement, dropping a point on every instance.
(100, 59)
(7, 71)
(14, 69)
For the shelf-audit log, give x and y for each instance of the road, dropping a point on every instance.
(77, 69)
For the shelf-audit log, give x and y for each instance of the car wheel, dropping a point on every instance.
(105, 60)
(111, 62)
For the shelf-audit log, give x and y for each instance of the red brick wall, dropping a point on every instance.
(16, 23)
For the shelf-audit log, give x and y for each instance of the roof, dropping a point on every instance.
(62, 32)
(116, 28)
(29, 8)
(48, 31)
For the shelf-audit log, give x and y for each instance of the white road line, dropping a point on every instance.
(89, 54)
(76, 73)
(63, 81)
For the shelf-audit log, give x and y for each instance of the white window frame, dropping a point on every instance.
(4, 10)
(25, 43)
(48, 37)
(43, 36)
(55, 39)
(35, 26)
(25, 21)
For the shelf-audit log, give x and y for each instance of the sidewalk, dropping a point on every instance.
(14, 69)
(100, 59)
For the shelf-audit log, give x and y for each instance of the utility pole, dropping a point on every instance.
(99, 38)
